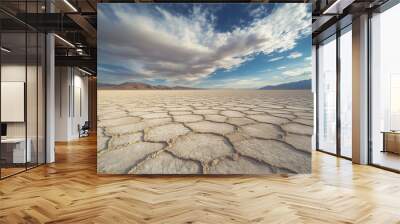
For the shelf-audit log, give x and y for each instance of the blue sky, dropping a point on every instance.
(204, 45)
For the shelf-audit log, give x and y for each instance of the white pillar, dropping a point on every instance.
(50, 92)
(50, 99)
(360, 90)
(63, 101)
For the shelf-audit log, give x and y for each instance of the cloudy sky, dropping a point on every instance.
(204, 45)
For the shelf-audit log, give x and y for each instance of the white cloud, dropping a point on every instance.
(281, 68)
(297, 71)
(258, 11)
(153, 43)
(295, 55)
(240, 83)
(308, 58)
(275, 59)
(277, 77)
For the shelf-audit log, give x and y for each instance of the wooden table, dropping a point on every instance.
(391, 141)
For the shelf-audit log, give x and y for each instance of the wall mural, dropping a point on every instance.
(204, 88)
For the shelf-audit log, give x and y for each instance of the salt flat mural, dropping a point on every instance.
(204, 88)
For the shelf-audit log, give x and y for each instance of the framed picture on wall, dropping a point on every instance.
(204, 88)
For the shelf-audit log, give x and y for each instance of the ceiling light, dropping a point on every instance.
(338, 6)
(86, 72)
(79, 51)
(65, 41)
(5, 50)
(70, 5)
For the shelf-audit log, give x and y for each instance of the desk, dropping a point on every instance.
(391, 141)
(19, 155)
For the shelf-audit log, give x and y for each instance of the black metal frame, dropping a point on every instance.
(338, 98)
(316, 97)
(369, 98)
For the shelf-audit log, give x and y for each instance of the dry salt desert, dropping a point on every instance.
(204, 131)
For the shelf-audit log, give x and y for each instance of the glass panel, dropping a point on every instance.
(13, 87)
(41, 99)
(31, 98)
(346, 94)
(385, 114)
(23, 90)
(32, 87)
(327, 96)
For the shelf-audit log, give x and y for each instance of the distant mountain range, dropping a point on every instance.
(303, 84)
(137, 86)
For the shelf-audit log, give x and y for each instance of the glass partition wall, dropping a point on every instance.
(334, 110)
(22, 78)
(385, 89)
(345, 91)
(327, 95)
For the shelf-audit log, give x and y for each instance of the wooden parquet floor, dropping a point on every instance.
(70, 191)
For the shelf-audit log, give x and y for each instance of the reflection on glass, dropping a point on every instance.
(22, 92)
(14, 153)
(385, 88)
(327, 96)
(394, 102)
(31, 101)
(346, 94)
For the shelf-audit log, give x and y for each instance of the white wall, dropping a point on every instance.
(33, 126)
(62, 82)
(17, 73)
(70, 83)
(12, 73)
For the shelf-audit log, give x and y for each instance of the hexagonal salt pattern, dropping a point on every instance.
(204, 131)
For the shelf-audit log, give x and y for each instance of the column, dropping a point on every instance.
(360, 90)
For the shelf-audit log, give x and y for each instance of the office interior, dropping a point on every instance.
(48, 76)
(48, 106)
(376, 91)
(39, 108)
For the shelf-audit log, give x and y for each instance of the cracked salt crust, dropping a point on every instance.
(204, 131)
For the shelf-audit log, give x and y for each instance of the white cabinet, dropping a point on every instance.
(18, 149)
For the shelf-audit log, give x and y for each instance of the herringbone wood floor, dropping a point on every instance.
(70, 191)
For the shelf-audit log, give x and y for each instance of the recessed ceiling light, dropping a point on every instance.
(338, 6)
(86, 72)
(70, 5)
(64, 40)
(5, 50)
